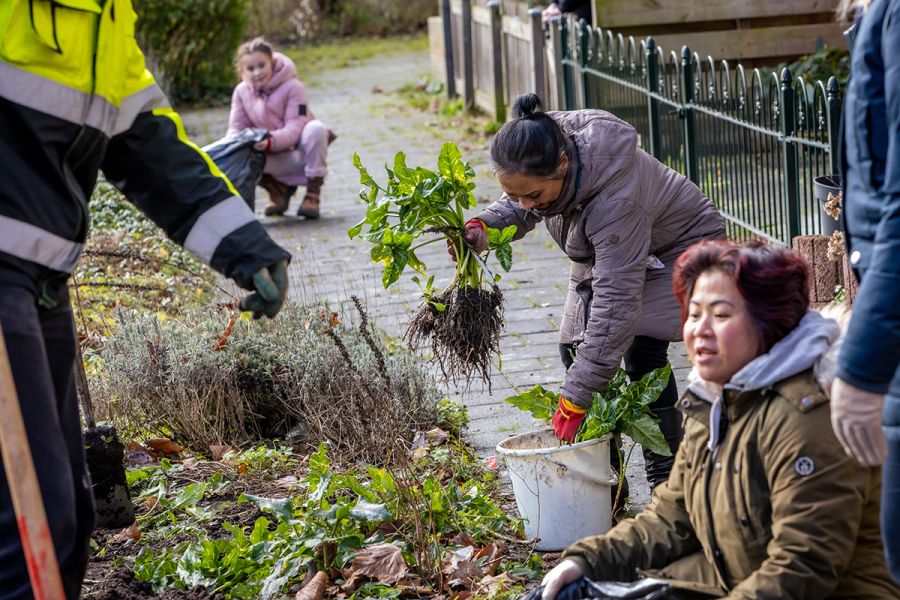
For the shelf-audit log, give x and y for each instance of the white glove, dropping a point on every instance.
(856, 420)
(550, 12)
(559, 576)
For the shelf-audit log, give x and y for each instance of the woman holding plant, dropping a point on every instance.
(622, 218)
(762, 501)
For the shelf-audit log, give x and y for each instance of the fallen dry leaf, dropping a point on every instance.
(419, 441)
(217, 451)
(164, 446)
(491, 554)
(462, 539)
(382, 563)
(315, 589)
(490, 584)
(465, 572)
(461, 569)
(129, 533)
(437, 436)
(222, 340)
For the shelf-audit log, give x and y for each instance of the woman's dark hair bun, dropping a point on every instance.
(526, 105)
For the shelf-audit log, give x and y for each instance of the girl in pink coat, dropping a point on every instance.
(271, 97)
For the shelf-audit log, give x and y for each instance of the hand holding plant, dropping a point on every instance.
(621, 408)
(463, 321)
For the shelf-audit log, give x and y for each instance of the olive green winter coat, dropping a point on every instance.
(778, 511)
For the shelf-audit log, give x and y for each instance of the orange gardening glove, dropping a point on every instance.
(568, 419)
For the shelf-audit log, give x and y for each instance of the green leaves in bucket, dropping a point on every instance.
(539, 402)
(622, 408)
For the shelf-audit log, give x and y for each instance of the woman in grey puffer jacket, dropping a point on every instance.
(622, 218)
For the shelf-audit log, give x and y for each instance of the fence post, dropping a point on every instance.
(790, 177)
(537, 55)
(556, 38)
(652, 102)
(497, 61)
(583, 63)
(833, 100)
(446, 17)
(568, 99)
(468, 66)
(687, 114)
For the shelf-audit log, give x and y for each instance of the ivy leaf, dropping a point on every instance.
(369, 511)
(280, 507)
(539, 402)
(646, 432)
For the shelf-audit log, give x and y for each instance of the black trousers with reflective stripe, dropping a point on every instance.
(41, 347)
(644, 355)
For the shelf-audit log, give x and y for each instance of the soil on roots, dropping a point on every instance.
(464, 335)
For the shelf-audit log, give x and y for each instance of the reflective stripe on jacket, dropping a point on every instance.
(75, 97)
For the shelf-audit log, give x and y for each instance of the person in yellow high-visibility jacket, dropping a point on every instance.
(76, 97)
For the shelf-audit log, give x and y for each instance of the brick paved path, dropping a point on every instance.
(329, 266)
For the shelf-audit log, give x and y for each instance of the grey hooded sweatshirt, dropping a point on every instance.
(622, 218)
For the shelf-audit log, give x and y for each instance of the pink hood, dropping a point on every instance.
(283, 70)
(280, 106)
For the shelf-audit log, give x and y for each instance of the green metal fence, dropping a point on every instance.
(752, 142)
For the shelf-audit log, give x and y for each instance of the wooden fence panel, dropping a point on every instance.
(523, 56)
(615, 14)
(487, 61)
(761, 32)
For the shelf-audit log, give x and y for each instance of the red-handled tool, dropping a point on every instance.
(37, 543)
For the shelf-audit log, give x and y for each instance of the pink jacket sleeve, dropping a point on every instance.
(296, 116)
(237, 119)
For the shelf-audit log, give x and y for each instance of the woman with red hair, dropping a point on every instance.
(762, 502)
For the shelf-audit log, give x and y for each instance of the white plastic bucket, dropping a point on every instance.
(562, 491)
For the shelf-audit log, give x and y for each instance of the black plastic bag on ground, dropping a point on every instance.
(585, 589)
(243, 165)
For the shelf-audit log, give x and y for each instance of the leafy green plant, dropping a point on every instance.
(462, 321)
(336, 515)
(622, 408)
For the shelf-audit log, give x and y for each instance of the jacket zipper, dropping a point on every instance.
(718, 563)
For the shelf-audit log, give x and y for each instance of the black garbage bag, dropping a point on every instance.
(585, 589)
(243, 165)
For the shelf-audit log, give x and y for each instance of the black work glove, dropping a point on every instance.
(585, 589)
(271, 285)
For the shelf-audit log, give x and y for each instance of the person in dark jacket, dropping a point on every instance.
(866, 394)
(76, 97)
(762, 503)
(580, 8)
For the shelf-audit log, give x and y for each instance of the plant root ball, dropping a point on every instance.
(464, 335)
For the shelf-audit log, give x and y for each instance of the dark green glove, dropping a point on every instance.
(271, 285)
